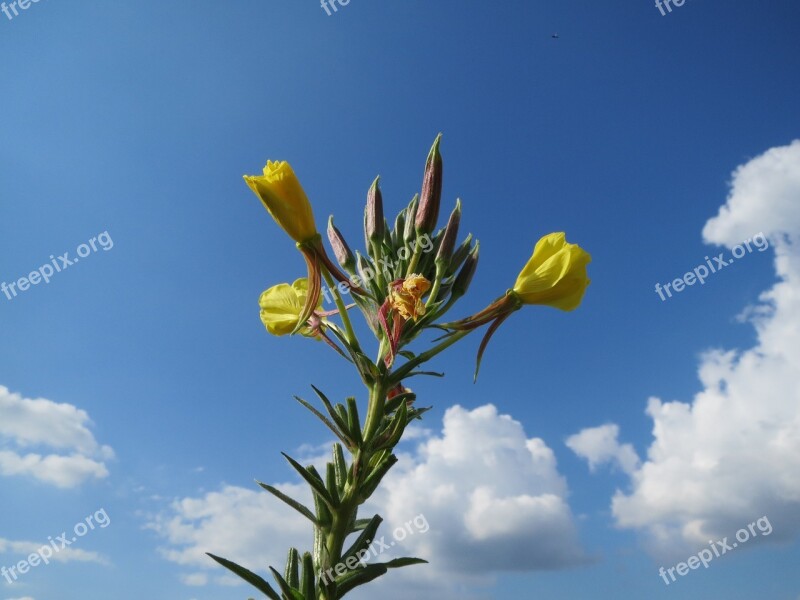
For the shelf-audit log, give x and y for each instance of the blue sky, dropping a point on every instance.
(141, 382)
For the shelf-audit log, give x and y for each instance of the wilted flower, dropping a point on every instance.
(406, 296)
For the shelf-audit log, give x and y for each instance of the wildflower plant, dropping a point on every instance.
(400, 291)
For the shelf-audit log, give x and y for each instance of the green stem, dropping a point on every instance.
(437, 283)
(337, 298)
(398, 375)
(414, 259)
(375, 409)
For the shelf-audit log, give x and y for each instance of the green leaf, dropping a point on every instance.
(292, 573)
(256, 581)
(341, 466)
(429, 373)
(336, 418)
(398, 425)
(338, 432)
(394, 403)
(309, 588)
(353, 420)
(374, 478)
(360, 524)
(330, 480)
(290, 501)
(287, 590)
(315, 482)
(405, 562)
(360, 576)
(365, 539)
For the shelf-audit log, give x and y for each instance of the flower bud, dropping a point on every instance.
(464, 277)
(448, 242)
(411, 215)
(460, 255)
(282, 195)
(430, 197)
(555, 275)
(344, 256)
(373, 214)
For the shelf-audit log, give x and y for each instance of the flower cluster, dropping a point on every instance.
(400, 294)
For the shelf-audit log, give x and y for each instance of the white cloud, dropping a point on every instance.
(64, 555)
(492, 498)
(195, 579)
(599, 446)
(732, 455)
(23, 598)
(42, 424)
(247, 526)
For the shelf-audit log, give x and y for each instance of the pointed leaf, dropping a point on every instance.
(256, 581)
(290, 501)
(485, 341)
(365, 539)
(329, 407)
(405, 562)
(360, 576)
(309, 588)
(338, 432)
(315, 482)
(287, 590)
(292, 573)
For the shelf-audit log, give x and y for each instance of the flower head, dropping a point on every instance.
(283, 196)
(281, 307)
(555, 275)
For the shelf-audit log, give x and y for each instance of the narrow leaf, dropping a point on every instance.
(287, 590)
(315, 482)
(256, 581)
(365, 539)
(338, 432)
(290, 501)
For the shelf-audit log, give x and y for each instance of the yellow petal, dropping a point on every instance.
(555, 275)
(281, 306)
(283, 196)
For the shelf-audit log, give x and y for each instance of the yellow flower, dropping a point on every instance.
(281, 307)
(406, 297)
(284, 198)
(555, 275)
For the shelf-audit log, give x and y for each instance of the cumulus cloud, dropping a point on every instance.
(599, 446)
(493, 497)
(477, 498)
(48, 441)
(247, 526)
(732, 454)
